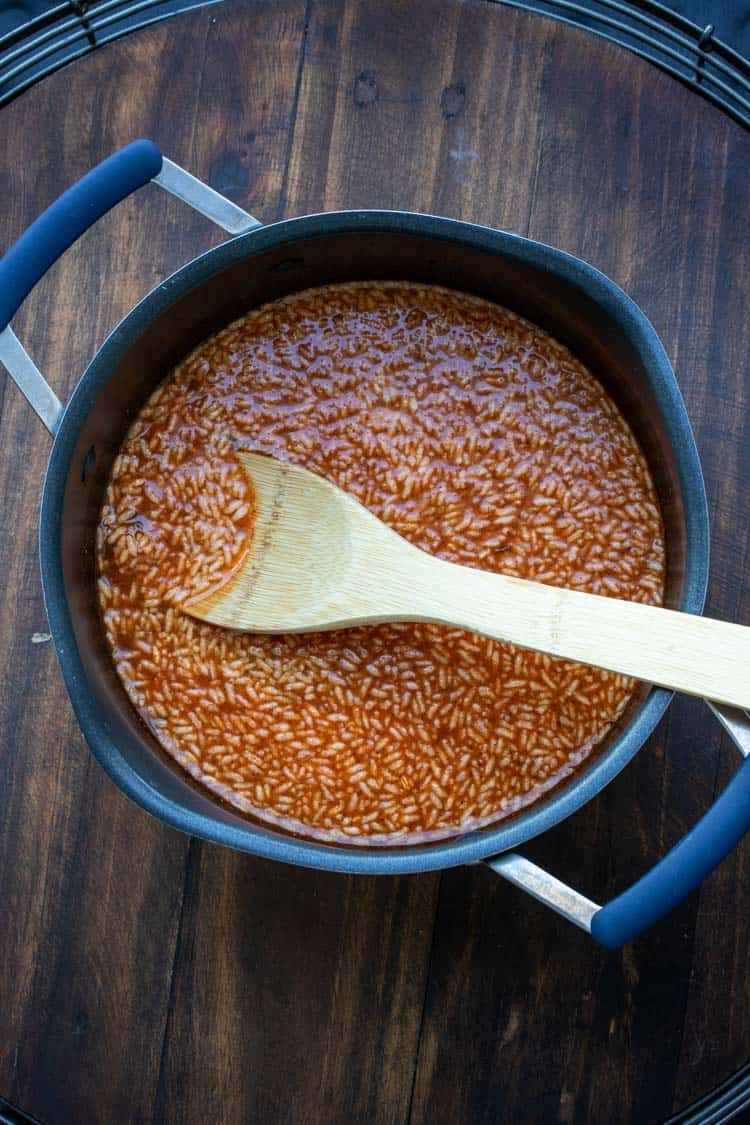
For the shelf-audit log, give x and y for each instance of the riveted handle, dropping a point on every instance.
(68, 217)
(680, 872)
(65, 220)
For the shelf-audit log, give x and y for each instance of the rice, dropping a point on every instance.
(480, 439)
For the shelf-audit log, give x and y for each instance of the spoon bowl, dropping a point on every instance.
(307, 566)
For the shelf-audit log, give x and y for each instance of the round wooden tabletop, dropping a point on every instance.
(148, 977)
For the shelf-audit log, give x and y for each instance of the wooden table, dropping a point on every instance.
(147, 977)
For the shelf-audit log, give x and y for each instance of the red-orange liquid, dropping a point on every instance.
(477, 437)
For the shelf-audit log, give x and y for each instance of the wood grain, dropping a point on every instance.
(148, 978)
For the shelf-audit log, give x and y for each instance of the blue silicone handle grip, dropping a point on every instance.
(682, 869)
(68, 217)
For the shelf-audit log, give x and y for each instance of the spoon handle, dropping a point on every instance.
(696, 655)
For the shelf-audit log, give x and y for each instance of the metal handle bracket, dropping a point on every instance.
(204, 199)
(542, 886)
(29, 380)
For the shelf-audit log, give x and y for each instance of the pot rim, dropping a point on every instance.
(246, 835)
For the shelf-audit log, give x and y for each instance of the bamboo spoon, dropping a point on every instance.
(319, 560)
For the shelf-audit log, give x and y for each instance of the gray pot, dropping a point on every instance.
(570, 299)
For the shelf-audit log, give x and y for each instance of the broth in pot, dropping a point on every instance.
(474, 434)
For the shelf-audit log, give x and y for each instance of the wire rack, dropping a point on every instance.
(688, 52)
(71, 29)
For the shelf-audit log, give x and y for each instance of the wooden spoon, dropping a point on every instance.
(319, 560)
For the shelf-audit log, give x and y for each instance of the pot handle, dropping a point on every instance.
(57, 228)
(667, 883)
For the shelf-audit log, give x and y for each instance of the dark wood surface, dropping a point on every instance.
(147, 977)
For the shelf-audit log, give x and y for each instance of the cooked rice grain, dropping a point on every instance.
(479, 438)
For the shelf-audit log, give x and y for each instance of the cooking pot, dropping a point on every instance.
(567, 297)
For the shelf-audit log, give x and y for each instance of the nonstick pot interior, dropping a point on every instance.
(572, 301)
